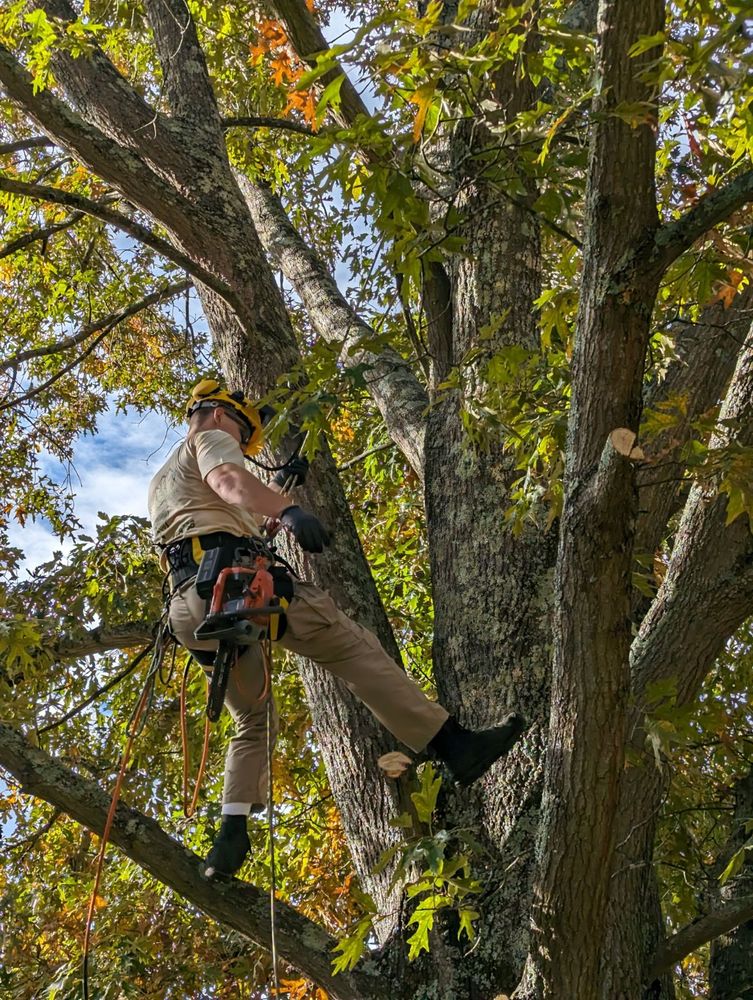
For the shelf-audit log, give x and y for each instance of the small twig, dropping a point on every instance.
(254, 121)
(139, 232)
(96, 694)
(111, 322)
(365, 454)
(91, 328)
(30, 842)
(39, 234)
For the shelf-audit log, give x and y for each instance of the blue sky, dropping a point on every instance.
(114, 468)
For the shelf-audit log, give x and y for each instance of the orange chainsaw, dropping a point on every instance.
(244, 609)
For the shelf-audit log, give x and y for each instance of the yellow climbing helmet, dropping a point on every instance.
(209, 393)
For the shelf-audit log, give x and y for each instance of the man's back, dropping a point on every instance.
(181, 504)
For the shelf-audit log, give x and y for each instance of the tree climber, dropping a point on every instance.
(204, 499)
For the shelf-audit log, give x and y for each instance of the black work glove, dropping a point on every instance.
(307, 529)
(295, 470)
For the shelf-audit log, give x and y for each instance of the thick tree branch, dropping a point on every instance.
(708, 587)
(706, 928)
(581, 16)
(397, 392)
(188, 88)
(591, 626)
(706, 356)
(213, 225)
(20, 145)
(65, 126)
(235, 904)
(103, 94)
(108, 157)
(105, 322)
(102, 639)
(43, 192)
(705, 596)
(674, 238)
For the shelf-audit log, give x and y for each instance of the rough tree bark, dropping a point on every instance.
(730, 973)
(705, 596)
(594, 564)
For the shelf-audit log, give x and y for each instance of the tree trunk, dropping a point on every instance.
(731, 965)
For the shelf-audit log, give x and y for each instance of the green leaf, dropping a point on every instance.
(645, 43)
(351, 948)
(734, 867)
(425, 799)
(330, 97)
(466, 923)
(323, 65)
(423, 917)
(403, 821)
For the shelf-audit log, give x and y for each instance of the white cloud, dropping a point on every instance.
(112, 473)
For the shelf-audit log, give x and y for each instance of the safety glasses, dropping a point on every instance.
(245, 429)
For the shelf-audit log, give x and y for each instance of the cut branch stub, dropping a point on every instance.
(623, 441)
(394, 764)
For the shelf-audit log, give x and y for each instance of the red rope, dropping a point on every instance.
(132, 733)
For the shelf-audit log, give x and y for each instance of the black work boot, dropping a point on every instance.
(468, 754)
(230, 847)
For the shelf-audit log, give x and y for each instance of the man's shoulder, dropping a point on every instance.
(217, 446)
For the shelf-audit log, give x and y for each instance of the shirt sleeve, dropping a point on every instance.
(214, 448)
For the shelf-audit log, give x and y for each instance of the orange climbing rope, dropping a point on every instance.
(134, 728)
(190, 808)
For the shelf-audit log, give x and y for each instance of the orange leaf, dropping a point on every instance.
(422, 99)
(273, 32)
(727, 290)
(280, 66)
(257, 51)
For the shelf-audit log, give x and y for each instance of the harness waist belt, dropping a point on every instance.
(185, 554)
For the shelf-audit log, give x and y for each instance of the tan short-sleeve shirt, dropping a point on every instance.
(182, 504)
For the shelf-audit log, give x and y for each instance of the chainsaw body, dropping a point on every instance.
(243, 602)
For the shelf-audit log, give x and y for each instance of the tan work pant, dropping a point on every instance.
(318, 630)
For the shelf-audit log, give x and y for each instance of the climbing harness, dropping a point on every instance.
(248, 587)
(251, 587)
